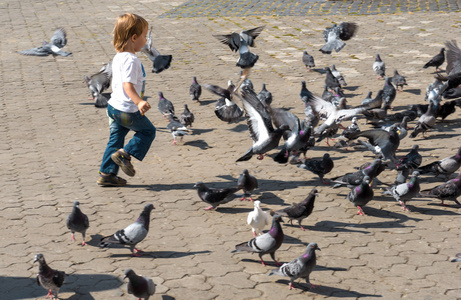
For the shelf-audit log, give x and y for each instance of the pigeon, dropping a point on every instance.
(215, 196)
(405, 191)
(187, 118)
(376, 102)
(399, 80)
(50, 279)
(164, 105)
(266, 243)
(327, 95)
(446, 166)
(320, 167)
(408, 163)
(434, 87)
(457, 258)
(99, 82)
(389, 91)
(195, 90)
(330, 80)
(379, 67)
(446, 109)
(265, 137)
(177, 128)
(54, 47)
(132, 234)
(77, 222)
(381, 142)
(245, 81)
(139, 286)
(355, 178)
(338, 76)
(305, 93)
(361, 195)
(225, 109)
(353, 128)
(453, 93)
(401, 127)
(308, 61)
(377, 114)
(159, 62)
(450, 82)
(248, 183)
(300, 267)
(258, 219)
(241, 42)
(368, 99)
(436, 61)
(265, 96)
(453, 57)
(449, 190)
(426, 121)
(335, 35)
(300, 211)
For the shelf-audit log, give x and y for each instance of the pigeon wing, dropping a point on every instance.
(232, 40)
(453, 55)
(59, 38)
(251, 34)
(347, 30)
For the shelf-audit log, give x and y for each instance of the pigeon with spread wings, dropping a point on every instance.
(159, 62)
(335, 35)
(54, 47)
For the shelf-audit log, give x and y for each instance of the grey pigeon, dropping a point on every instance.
(361, 195)
(308, 61)
(54, 47)
(159, 62)
(401, 127)
(327, 95)
(446, 166)
(266, 243)
(77, 222)
(381, 142)
(305, 93)
(434, 87)
(98, 83)
(330, 80)
(377, 114)
(356, 178)
(320, 167)
(50, 279)
(399, 80)
(405, 191)
(300, 267)
(436, 61)
(139, 286)
(338, 76)
(352, 128)
(195, 90)
(376, 102)
(335, 35)
(449, 190)
(132, 234)
(368, 99)
(177, 128)
(225, 109)
(389, 91)
(248, 183)
(300, 211)
(215, 196)
(407, 164)
(457, 258)
(265, 96)
(165, 106)
(245, 81)
(426, 121)
(187, 117)
(379, 67)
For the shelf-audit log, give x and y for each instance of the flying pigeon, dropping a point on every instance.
(449, 190)
(248, 183)
(446, 166)
(436, 61)
(54, 47)
(77, 222)
(335, 35)
(405, 191)
(361, 195)
(433, 88)
(241, 42)
(99, 82)
(265, 96)
(225, 109)
(379, 67)
(132, 234)
(195, 90)
(50, 279)
(214, 196)
(266, 243)
(187, 118)
(165, 106)
(139, 286)
(300, 211)
(320, 167)
(399, 80)
(450, 82)
(177, 128)
(300, 267)
(159, 62)
(258, 219)
(356, 178)
(426, 121)
(453, 57)
(381, 142)
(338, 76)
(308, 61)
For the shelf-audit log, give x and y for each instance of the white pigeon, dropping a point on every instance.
(258, 219)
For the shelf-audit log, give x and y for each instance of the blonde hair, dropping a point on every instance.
(127, 25)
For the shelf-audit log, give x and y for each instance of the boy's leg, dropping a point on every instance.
(139, 145)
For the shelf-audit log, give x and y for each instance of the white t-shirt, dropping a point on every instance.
(126, 67)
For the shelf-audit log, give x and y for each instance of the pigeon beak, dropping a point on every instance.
(35, 259)
(124, 277)
(318, 248)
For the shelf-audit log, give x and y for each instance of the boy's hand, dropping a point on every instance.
(143, 107)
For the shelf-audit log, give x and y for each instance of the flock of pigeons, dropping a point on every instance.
(268, 126)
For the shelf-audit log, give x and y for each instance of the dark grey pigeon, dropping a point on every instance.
(377, 114)
(245, 81)
(225, 109)
(131, 235)
(266, 243)
(165, 106)
(195, 90)
(379, 67)
(399, 80)
(177, 128)
(300, 211)
(405, 191)
(450, 82)
(449, 190)
(308, 61)
(436, 61)
(54, 47)
(426, 121)
(214, 196)
(139, 286)
(446, 166)
(187, 117)
(159, 62)
(320, 167)
(300, 267)
(327, 95)
(338, 76)
(376, 102)
(265, 96)
(77, 222)
(330, 80)
(248, 183)
(335, 35)
(454, 93)
(304, 94)
(389, 92)
(381, 142)
(407, 164)
(50, 279)
(401, 127)
(446, 109)
(98, 83)
(356, 178)
(361, 195)
(353, 128)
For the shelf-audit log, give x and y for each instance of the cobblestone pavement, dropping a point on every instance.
(53, 139)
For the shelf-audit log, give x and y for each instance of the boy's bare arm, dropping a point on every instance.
(143, 106)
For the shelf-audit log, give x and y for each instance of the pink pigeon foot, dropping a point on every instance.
(50, 294)
(208, 208)
(313, 286)
(290, 286)
(404, 207)
(260, 156)
(360, 212)
(302, 228)
(72, 237)
(83, 243)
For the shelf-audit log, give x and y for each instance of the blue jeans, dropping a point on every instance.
(121, 124)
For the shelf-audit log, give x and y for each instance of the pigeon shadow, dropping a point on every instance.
(199, 144)
(161, 254)
(233, 210)
(351, 88)
(166, 297)
(327, 290)
(196, 131)
(206, 102)
(239, 128)
(413, 91)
